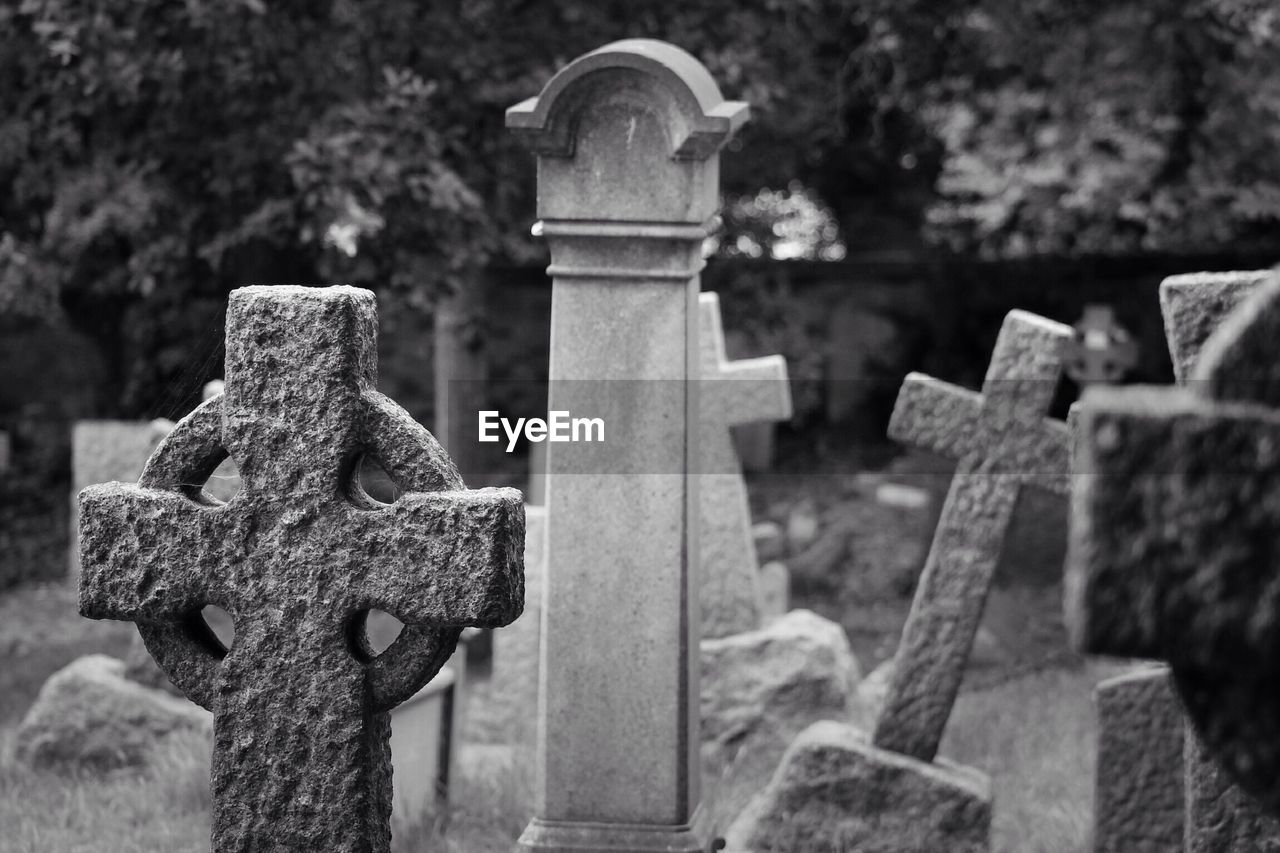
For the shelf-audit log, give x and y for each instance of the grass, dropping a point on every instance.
(1033, 735)
(1035, 738)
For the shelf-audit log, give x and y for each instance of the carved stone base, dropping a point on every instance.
(544, 836)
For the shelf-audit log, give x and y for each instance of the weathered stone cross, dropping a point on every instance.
(1176, 529)
(298, 557)
(733, 392)
(1003, 441)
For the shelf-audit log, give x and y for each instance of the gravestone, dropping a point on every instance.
(301, 725)
(105, 452)
(1194, 306)
(775, 590)
(1173, 529)
(1138, 797)
(6, 452)
(1003, 441)
(733, 392)
(517, 647)
(627, 140)
(424, 746)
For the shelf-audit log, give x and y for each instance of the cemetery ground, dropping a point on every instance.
(1025, 715)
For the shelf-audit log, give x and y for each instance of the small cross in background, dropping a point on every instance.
(1100, 352)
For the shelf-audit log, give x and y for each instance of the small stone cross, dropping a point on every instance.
(298, 557)
(1176, 531)
(733, 392)
(1003, 441)
(1100, 350)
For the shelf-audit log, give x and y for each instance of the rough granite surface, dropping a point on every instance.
(1195, 304)
(834, 791)
(1003, 441)
(1174, 537)
(1138, 790)
(1221, 818)
(299, 555)
(746, 391)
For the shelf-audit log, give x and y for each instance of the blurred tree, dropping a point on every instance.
(1107, 127)
(155, 154)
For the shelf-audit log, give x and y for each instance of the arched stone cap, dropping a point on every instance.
(546, 123)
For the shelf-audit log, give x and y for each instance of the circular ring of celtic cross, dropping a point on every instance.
(188, 651)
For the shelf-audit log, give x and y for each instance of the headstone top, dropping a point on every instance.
(628, 140)
(298, 557)
(1195, 304)
(545, 122)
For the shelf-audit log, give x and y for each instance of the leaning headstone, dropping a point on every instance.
(1138, 797)
(1194, 306)
(1003, 441)
(301, 755)
(627, 139)
(1173, 525)
(108, 452)
(832, 791)
(733, 392)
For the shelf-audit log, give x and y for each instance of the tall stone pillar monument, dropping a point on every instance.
(627, 140)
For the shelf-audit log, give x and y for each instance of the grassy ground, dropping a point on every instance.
(1033, 734)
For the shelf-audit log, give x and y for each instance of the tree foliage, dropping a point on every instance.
(155, 153)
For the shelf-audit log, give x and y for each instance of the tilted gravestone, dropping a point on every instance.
(627, 140)
(298, 557)
(1175, 517)
(1194, 306)
(1138, 802)
(733, 392)
(1003, 440)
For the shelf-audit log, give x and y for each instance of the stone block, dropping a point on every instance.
(833, 790)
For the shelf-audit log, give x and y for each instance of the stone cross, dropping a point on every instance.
(1100, 350)
(1003, 441)
(733, 392)
(627, 140)
(298, 557)
(1176, 517)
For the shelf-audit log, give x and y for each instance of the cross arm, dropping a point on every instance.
(936, 416)
(443, 558)
(1173, 546)
(142, 553)
(751, 390)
